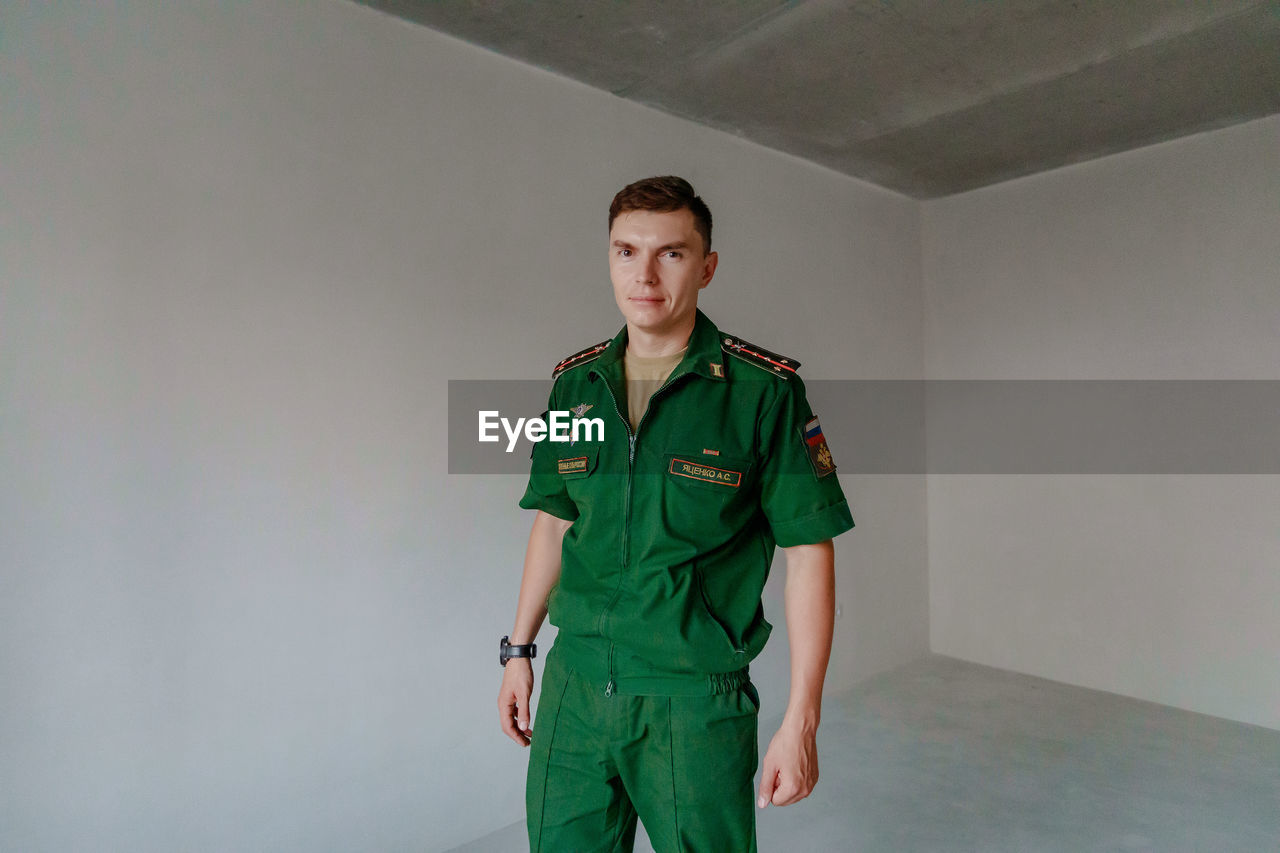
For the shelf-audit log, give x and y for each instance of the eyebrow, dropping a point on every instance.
(681, 244)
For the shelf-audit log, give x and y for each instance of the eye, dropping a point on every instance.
(674, 255)
(624, 253)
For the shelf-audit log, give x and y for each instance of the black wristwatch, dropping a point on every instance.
(506, 651)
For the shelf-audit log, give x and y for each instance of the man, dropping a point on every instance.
(650, 550)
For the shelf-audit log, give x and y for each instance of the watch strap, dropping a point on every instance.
(507, 651)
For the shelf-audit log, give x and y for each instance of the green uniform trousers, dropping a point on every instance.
(685, 765)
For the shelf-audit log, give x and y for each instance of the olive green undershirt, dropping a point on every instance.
(644, 376)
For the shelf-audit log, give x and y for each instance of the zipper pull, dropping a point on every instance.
(633, 447)
(608, 688)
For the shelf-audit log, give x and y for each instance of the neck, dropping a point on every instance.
(645, 344)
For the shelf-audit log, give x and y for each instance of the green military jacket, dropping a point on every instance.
(674, 526)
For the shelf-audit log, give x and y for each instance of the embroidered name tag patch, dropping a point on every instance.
(706, 473)
(576, 465)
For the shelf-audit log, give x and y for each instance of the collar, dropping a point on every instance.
(704, 356)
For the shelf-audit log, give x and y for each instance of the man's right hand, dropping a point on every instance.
(541, 574)
(513, 700)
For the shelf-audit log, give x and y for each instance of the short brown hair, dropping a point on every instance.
(663, 195)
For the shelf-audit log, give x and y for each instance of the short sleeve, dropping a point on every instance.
(799, 493)
(546, 490)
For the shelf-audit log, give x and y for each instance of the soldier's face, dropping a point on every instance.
(657, 265)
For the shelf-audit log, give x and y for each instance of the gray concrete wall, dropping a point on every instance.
(243, 247)
(1161, 263)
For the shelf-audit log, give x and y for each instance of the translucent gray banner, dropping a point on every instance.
(1066, 426)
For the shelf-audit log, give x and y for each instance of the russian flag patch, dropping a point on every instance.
(816, 446)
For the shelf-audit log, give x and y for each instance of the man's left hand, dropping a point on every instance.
(790, 766)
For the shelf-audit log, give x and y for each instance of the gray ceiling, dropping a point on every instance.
(927, 97)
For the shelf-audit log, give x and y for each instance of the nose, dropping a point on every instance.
(647, 272)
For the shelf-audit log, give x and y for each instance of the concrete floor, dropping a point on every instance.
(944, 755)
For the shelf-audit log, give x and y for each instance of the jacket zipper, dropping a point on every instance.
(626, 505)
(626, 515)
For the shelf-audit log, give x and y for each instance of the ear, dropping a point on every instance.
(708, 268)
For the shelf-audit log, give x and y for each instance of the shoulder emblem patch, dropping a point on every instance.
(779, 365)
(581, 357)
(816, 446)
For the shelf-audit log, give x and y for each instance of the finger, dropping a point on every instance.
(791, 791)
(507, 717)
(515, 734)
(768, 783)
(509, 727)
(523, 713)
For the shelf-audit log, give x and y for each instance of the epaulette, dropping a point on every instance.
(779, 365)
(581, 357)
